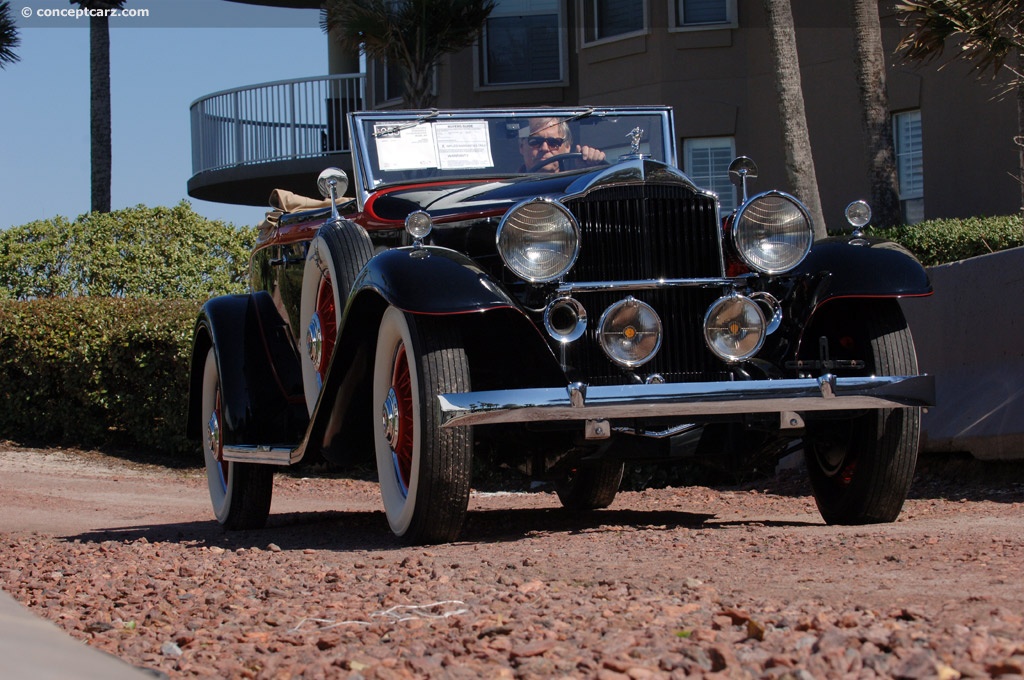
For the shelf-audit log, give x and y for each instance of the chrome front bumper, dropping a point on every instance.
(580, 402)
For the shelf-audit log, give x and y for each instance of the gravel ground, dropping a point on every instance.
(676, 582)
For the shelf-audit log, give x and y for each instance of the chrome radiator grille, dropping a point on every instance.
(647, 232)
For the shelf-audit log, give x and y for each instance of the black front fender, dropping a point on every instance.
(260, 381)
(431, 280)
(858, 267)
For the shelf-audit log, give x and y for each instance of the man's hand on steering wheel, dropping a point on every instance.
(590, 155)
(586, 155)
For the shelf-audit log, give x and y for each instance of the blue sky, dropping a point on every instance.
(159, 65)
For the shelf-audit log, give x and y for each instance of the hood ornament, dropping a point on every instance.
(634, 136)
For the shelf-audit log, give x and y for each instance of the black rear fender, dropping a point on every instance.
(261, 385)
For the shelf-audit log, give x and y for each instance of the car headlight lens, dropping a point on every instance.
(630, 332)
(734, 328)
(538, 240)
(772, 233)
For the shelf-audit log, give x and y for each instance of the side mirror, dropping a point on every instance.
(332, 183)
(740, 170)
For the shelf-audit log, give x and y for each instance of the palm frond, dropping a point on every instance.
(985, 32)
(412, 35)
(9, 38)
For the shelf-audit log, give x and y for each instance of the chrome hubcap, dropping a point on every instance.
(213, 435)
(315, 340)
(390, 417)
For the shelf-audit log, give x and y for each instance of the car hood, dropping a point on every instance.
(449, 200)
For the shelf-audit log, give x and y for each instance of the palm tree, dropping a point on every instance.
(869, 58)
(99, 101)
(795, 134)
(412, 35)
(989, 34)
(8, 36)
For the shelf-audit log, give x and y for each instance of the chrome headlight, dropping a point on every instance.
(772, 232)
(630, 332)
(734, 328)
(538, 240)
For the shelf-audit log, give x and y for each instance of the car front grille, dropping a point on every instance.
(647, 232)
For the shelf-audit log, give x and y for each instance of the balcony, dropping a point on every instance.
(250, 140)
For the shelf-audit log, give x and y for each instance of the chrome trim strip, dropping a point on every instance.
(258, 453)
(685, 399)
(567, 288)
(658, 434)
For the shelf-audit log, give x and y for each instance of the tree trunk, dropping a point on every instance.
(99, 111)
(796, 137)
(418, 83)
(870, 62)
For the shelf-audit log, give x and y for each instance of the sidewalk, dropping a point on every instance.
(34, 648)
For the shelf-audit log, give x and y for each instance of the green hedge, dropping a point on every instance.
(135, 252)
(949, 240)
(96, 372)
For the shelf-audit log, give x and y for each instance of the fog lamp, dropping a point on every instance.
(734, 328)
(630, 332)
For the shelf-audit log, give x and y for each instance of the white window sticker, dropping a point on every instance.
(463, 144)
(411, 148)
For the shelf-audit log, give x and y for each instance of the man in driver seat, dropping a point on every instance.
(546, 138)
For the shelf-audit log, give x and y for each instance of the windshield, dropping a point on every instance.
(413, 146)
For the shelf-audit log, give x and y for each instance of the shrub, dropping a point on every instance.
(948, 240)
(136, 252)
(96, 372)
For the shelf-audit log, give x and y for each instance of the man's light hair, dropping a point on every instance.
(543, 126)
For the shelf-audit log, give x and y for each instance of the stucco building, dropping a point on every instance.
(708, 59)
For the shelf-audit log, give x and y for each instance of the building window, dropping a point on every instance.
(706, 162)
(704, 13)
(523, 42)
(910, 164)
(611, 18)
(387, 82)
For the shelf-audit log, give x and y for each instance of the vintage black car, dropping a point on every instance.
(544, 287)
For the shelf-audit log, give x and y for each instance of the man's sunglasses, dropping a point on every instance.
(552, 142)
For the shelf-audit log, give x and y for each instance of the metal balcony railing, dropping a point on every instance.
(282, 120)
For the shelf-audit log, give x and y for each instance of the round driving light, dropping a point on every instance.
(418, 224)
(630, 332)
(565, 319)
(734, 328)
(858, 214)
(772, 233)
(538, 240)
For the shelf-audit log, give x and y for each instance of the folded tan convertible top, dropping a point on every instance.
(283, 201)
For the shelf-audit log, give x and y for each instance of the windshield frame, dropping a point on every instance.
(658, 144)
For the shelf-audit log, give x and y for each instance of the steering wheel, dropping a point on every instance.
(557, 158)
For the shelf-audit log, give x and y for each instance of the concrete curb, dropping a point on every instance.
(35, 648)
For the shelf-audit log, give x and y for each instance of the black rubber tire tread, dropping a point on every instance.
(591, 486)
(446, 454)
(252, 489)
(351, 249)
(885, 441)
(250, 486)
